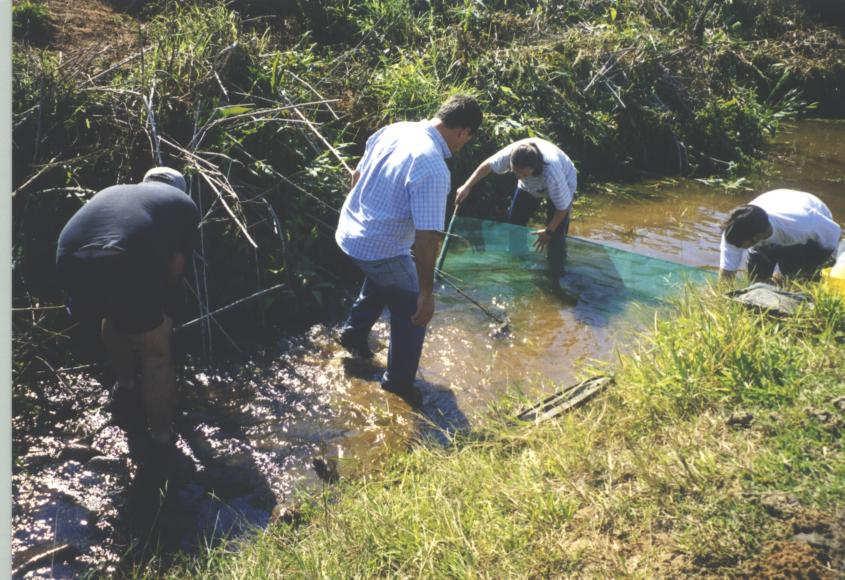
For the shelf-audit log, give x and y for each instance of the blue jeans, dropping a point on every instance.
(523, 206)
(391, 283)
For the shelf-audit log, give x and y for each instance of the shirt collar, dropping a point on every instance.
(438, 139)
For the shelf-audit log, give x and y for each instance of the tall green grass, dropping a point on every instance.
(650, 479)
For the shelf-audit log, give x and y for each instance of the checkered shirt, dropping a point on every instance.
(402, 187)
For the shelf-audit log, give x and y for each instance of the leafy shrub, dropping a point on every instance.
(30, 20)
(730, 128)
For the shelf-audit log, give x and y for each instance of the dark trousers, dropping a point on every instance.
(798, 261)
(523, 206)
(128, 290)
(393, 284)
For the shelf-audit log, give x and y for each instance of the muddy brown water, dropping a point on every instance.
(298, 415)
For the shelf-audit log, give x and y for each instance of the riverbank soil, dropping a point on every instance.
(92, 24)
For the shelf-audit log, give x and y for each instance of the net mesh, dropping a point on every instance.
(496, 259)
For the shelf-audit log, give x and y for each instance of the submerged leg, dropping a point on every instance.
(802, 261)
(556, 256)
(363, 314)
(126, 405)
(158, 380)
(406, 343)
(523, 206)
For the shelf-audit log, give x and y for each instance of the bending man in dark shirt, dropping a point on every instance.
(117, 258)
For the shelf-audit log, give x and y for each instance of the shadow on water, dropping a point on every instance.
(208, 487)
(251, 437)
(442, 417)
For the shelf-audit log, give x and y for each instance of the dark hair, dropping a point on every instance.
(528, 155)
(745, 223)
(460, 112)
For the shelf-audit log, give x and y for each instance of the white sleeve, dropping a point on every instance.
(500, 162)
(559, 190)
(730, 257)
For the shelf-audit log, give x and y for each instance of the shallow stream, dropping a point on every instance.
(297, 416)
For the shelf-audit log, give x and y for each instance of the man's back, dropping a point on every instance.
(150, 219)
(402, 187)
(796, 217)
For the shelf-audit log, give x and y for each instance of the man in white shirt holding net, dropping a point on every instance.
(398, 202)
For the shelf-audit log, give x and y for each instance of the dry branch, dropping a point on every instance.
(319, 135)
(70, 189)
(256, 116)
(210, 181)
(216, 181)
(313, 90)
(39, 173)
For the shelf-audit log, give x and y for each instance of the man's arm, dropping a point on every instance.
(726, 275)
(178, 259)
(356, 175)
(730, 258)
(482, 171)
(545, 236)
(175, 268)
(426, 246)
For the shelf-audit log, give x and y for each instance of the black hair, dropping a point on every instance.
(528, 155)
(460, 112)
(745, 223)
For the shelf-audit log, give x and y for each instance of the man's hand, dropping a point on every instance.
(426, 244)
(544, 236)
(425, 309)
(482, 171)
(543, 239)
(175, 268)
(462, 193)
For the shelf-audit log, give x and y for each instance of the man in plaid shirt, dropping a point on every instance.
(398, 202)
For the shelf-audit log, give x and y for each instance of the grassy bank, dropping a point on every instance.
(719, 442)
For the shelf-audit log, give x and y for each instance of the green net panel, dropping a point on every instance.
(496, 259)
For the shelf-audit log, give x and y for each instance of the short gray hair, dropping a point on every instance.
(168, 176)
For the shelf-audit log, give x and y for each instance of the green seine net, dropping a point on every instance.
(497, 259)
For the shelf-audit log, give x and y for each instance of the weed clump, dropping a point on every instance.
(31, 21)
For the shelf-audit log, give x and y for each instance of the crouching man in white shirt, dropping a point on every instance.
(792, 230)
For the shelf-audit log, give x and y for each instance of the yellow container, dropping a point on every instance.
(834, 278)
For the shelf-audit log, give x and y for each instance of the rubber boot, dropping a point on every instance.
(124, 353)
(158, 380)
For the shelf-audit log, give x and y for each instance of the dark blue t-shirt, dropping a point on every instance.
(147, 221)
